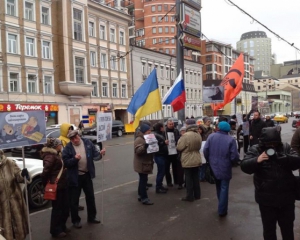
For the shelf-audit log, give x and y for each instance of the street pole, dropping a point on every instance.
(179, 57)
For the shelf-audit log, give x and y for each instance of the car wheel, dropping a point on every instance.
(35, 194)
(119, 133)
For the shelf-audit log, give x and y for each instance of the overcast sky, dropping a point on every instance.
(226, 23)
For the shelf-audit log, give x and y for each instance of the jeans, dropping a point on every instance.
(192, 183)
(60, 212)
(84, 182)
(142, 190)
(285, 217)
(160, 162)
(222, 193)
(202, 170)
(171, 159)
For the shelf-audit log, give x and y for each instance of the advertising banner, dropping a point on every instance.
(190, 20)
(213, 94)
(22, 128)
(104, 126)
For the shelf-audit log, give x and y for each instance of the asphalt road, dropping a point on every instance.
(169, 218)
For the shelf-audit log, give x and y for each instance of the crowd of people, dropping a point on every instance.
(204, 146)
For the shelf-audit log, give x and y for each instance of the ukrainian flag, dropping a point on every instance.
(146, 100)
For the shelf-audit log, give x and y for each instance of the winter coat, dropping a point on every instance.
(52, 163)
(255, 130)
(64, 130)
(163, 147)
(220, 151)
(142, 162)
(274, 180)
(13, 210)
(269, 123)
(206, 132)
(71, 163)
(295, 142)
(189, 145)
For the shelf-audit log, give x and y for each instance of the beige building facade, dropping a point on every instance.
(67, 56)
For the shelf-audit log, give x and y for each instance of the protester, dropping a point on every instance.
(53, 164)
(189, 145)
(255, 128)
(295, 142)
(272, 163)
(180, 171)
(13, 210)
(220, 151)
(172, 157)
(233, 118)
(245, 128)
(269, 122)
(207, 129)
(143, 163)
(160, 157)
(202, 168)
(78, 156)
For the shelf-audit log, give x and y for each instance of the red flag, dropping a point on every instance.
(232, 82)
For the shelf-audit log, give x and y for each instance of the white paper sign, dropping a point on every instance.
(104, 126)
(152, 141)
(172, 144)
(201, 152)
(239, 118)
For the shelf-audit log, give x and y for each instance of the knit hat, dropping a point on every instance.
(224, 126)
(190, 121)
(205, 119)
(53, 142)
(144, 128)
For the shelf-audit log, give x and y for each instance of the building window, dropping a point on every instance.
(167, 73)
(208, 58)
(45, 16)
(77, 14)
(104, 89)
(166, 18)
(91, 29)
(79, 68)
(103, 60)
(154, 30)
(162, 91)
(160, 40)
(173, 51)
(152, 8)
(166, 29)
(113, 65)
(167, 51)
(123, 91)
(48, 85)
(160, 30)
(159, 8)
(166, 7)
(112, 35)
(153, 40)
(12, 43)
(11, 7)
(29, 11)
(93, 59)
(102, 32)
(122, 39)
(143, 69)
(14, 82)
(122, 65)
(30, 47)
(172, 18)
(172, 29)
(154, 19)
(31, 87)
(173, 41)
(114, 90)
(161, 71)
(46, 50)
(149, 68)
(95, 89)
(167, 41)
(209, 76)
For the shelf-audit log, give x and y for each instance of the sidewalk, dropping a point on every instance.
(169, 218)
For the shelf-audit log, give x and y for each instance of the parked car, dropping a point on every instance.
(35, 189)
(33, 151)
(294, 123)
(118, 129)
(281, 118)
(297, 114)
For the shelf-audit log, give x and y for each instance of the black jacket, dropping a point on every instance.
(269, 123)
(255, 130)
(163, 147)
(274, 182)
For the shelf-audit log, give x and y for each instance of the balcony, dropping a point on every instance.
(75, 90)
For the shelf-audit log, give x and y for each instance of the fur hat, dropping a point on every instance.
(224, 126)
(190, 121)
(145, 128)
(53, 142)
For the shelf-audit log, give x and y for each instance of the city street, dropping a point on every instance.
(168, 218)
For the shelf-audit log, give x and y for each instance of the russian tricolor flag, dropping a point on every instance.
(176, 94)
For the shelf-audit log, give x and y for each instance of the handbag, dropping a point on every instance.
(51, 188)
(209, 174)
